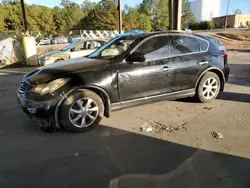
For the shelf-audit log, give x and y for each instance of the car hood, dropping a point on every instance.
(63, 68)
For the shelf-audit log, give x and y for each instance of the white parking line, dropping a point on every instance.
(12, 71)
(4, 73)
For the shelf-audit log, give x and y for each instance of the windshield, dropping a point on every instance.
(69, 46)
(113, 48)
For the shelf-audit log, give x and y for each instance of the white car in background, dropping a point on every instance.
(45, 41)
(79, 48)
(60, 40)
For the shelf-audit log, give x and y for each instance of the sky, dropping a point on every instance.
(243, 5)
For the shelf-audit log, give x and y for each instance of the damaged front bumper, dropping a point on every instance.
(41, 112)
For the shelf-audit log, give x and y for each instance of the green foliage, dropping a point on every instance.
(157, 12)
(160, 20)
(133, 19)
(237, 11)
(187, 17)
(144, 22)
(103, 16)
(202, 25)
(148, 16)
(211, 25)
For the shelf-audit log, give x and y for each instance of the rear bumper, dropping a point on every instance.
(227, 72)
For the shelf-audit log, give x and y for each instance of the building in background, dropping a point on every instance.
(233, 21)
(205, 10)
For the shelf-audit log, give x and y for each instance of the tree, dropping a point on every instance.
(130, 17)
(160, 16)
(144, 22)
(40, 19)
(187, 16)
(103, 17)
(147, 7)
(13, 18)
(134, 19)
(237, 11)
(66, 3)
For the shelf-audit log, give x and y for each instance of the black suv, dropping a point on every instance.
(128, 70)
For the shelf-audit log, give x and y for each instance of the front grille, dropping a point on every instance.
(23, 86)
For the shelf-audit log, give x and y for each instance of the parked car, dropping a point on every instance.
(126, 71)
(74, 38)
(79, 48)
(45, 41)
(60, 40)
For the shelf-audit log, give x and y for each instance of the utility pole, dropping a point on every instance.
(226, 14)
(24, 18)
(120, 16)
(175, 11)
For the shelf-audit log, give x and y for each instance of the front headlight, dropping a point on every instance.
(47, 88)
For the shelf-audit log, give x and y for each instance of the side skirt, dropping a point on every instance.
(155, 98)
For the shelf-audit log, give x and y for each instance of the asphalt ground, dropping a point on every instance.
(118, 154)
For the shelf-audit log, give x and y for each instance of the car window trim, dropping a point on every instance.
(141, 42)
(197, 42)
(168, 34)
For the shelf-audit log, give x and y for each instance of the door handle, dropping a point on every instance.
(165, 68)
(203, 62)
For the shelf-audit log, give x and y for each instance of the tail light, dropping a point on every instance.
(224, 54)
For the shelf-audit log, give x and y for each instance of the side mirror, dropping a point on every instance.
(136, 58)
(72, 49)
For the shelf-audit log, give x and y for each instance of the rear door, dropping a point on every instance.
(190, 59)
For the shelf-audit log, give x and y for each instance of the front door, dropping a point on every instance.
(149, 78)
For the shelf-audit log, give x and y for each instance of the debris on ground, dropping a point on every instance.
(208, 108)
(179, 109)
(217, 135)
(149, 129)
(183, 127)
(157, 127)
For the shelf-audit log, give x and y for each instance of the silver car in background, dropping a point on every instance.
(78, 48)
(45, 41)
(60, 40)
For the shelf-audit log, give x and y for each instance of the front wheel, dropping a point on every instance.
(208, 88)
(81, 111)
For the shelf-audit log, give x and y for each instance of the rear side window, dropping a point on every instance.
(154, 48)
(203, 45)
(186, 44)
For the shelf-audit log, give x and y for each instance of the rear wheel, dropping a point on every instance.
(81, 111)
(208, 88)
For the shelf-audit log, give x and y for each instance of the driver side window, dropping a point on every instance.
(154, 48)
(79, 46)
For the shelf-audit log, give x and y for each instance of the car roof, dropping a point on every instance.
(145, 35)
(92, 40)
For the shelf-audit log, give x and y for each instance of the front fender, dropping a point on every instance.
(100, 91)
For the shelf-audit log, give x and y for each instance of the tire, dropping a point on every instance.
(82, 104)
(210, 82)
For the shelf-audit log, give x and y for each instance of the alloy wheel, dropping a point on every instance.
(210, 88)
(83, 112)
